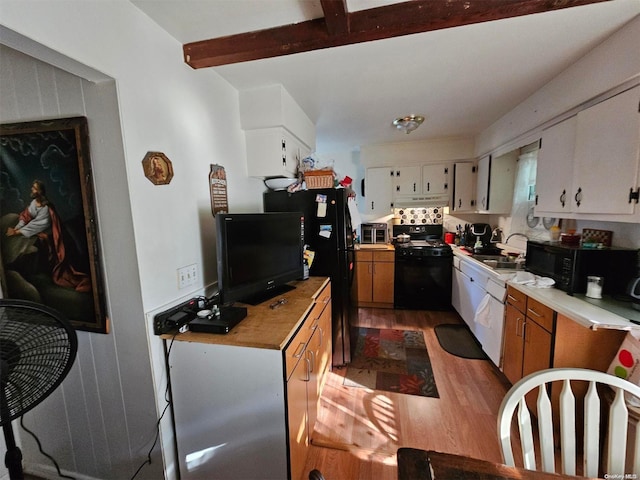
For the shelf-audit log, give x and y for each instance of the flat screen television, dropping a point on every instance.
(258, 254)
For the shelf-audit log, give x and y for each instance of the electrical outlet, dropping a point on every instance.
(187, 275)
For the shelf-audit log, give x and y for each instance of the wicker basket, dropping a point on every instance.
(319, 179)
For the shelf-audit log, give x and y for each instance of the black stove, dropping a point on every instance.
(422, 279)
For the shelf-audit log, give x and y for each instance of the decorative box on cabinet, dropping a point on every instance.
(253, 393)
(374, 278)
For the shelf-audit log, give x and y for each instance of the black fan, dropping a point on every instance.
(37, 349)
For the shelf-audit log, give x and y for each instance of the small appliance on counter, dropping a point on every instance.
(570, 265)
(374, 233)
(479, 238)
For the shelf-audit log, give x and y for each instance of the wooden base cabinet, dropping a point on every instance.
(245, 405)
(528, 336)
(374, 278)
(536, 338)
(310, 351)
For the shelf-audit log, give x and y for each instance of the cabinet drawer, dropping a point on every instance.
(384, 256)
(298, 346)
(364, 256)
(517, 299)
(539, 313)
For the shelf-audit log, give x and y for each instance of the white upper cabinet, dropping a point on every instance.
(588, 164)
(435, 179)
(464, 187)
(277, 131)
(407, 181)
(555, 167)
(606, 155)
(378, 190)
(495, 183)
(273, 151)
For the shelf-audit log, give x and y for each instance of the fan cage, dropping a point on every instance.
(37, 348)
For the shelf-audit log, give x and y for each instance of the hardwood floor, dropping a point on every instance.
(359, 430)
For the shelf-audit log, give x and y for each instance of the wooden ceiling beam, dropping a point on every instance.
(340, 27)
(336, 16)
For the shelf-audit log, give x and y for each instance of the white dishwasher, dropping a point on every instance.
(479, 299)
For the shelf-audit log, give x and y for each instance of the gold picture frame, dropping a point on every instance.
(157, 168)
(55, 260)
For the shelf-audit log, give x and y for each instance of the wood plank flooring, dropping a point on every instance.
(359, 430)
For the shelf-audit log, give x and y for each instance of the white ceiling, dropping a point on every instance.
(462, 79)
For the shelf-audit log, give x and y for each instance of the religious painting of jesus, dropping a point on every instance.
(48, 229)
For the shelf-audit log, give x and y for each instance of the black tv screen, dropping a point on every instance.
(258, 254)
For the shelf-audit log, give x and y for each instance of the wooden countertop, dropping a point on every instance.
(264, 327)
(374, 246)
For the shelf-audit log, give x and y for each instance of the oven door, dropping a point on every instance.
(422, 283)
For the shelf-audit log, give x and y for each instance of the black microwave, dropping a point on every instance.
(569, 265)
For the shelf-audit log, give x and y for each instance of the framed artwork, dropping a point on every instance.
(50, 251)
(157, 168)
(218, 189)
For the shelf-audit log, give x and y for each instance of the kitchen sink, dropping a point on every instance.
(499, 262)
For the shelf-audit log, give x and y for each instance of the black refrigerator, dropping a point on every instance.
(328, 233)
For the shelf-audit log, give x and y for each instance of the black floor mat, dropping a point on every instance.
(459, 341)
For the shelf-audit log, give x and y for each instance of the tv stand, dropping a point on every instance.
(258, 298)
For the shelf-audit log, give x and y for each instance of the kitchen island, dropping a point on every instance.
(245, 402)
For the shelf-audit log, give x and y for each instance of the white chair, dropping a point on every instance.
(616, 434)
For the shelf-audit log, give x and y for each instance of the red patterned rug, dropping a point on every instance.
(391, 360)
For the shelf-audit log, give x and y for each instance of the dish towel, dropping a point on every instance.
(483, 313)
(531, 280)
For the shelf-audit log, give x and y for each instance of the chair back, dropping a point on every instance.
(618, 421)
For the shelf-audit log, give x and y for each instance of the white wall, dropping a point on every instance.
(102, 421)
(612, 63)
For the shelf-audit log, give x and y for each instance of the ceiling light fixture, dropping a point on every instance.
(409, 123)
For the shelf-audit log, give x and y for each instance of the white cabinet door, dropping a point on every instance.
(468, 295)
(606, 155)
(464, 187)
(407, 181)
(435, 179)
(378, 190)
(555, 167)
(482, 183)
(273, 151)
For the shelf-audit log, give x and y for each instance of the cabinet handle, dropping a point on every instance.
(428, 187)
(321, 331)
(460, 203)
(563, 197)
(312, 362)
(534, 312)
(299, 351)
(524, 332)
(308, 370)
(372, 206)
(520, 327)
(578, 196)
(414, 187)
(511, 297)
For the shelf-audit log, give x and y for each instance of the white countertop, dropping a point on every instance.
(576, 309)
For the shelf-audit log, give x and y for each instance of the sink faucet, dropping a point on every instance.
(516, 234)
